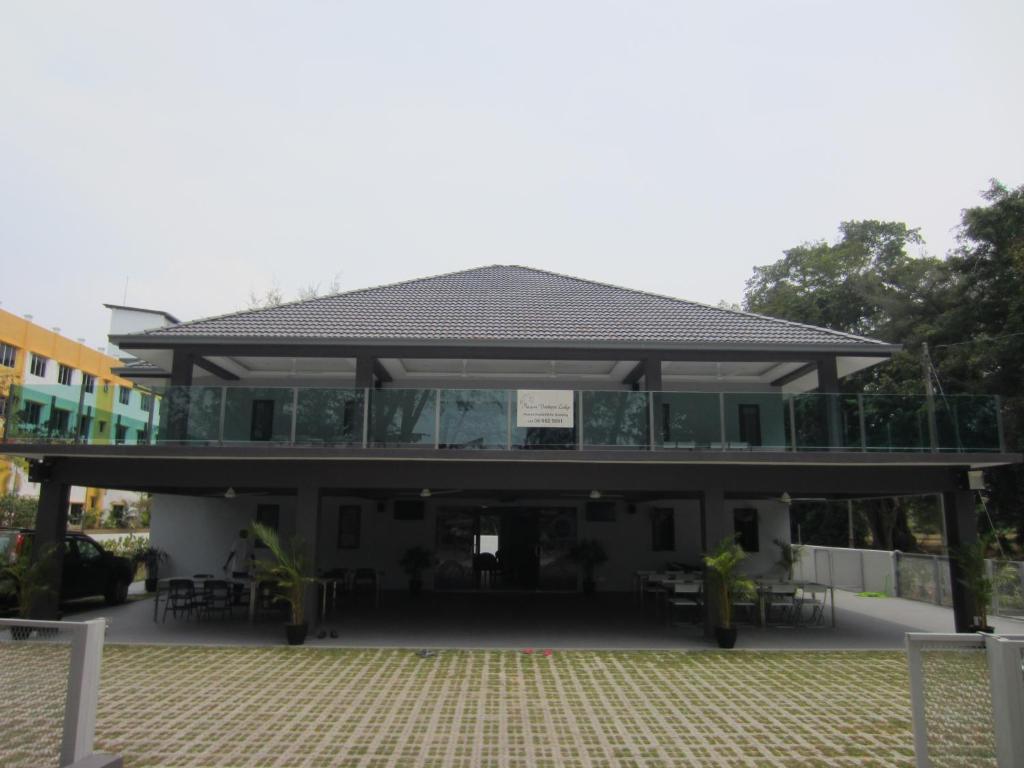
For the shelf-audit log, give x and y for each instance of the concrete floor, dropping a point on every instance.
(516, 621)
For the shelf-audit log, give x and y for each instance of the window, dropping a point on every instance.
(8, 355)
(102, 426)
(64, 374)
(270, 516)
(32, 413)
(145, 401)
(88, 382)
(88, 551)
(38, 365)
(60, 420)
(600, 512)
(349, 526)
(120, 434)
(745, 523)
(750, 424)
(409, 510)
(124, 395)
(84, 424)
(663, 529)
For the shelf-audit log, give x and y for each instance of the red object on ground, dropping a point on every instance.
(527, 650)
(547, 651)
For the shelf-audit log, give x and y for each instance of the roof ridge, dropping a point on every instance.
(727, 310)
(313, 299)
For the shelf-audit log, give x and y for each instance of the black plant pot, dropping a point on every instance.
(589, 586)
(415, 586)
(296, 633)
(726, 636)
(151, 585)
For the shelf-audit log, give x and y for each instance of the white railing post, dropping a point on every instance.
(1007, 685)
(916, 670)
(83, 693)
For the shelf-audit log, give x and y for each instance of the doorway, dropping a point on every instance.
(518, 549)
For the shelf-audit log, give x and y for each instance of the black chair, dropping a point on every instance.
(181, 596)
(217, 597)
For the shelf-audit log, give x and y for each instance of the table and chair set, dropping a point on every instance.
(776, 601)
(205, 596)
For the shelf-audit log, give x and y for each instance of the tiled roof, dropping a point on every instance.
(508, 304)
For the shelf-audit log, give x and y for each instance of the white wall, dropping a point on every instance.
(125, 321)
(197, 532)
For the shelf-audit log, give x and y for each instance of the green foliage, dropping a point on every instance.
(789, 556)
(29, 578)
(589, 553)
(18, 511)
(291, 569)
(728, 583)
(415, 561)
(131, 546)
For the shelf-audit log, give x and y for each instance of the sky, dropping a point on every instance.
(182, 155)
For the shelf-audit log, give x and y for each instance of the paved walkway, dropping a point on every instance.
(513, 622)
(299, 707)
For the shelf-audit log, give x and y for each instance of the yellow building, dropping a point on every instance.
(41, 362)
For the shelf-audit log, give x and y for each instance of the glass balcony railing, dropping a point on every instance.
(498, 419)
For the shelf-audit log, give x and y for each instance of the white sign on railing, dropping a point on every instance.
(544, 408)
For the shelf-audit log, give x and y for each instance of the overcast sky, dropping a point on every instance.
(204, 150)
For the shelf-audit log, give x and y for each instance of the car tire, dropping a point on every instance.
(117, 592)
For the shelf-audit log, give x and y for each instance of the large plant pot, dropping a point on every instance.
(151, 585)
(726, 636)
(296, 633)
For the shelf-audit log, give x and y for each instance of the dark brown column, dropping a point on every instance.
(364, 372)
(51, 523)
(652, 374)
(961, 528)
(828, 384)
(307, 529)
(178, 396)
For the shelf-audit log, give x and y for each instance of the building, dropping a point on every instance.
(64, 387)
(509, 411)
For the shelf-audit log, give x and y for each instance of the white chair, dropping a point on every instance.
(782, 598)
(814, 596)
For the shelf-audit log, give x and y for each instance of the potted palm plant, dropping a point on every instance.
(588, 554)
(292, 572)
(974, 576)
(414, 562)
(28, 579)
(727, 584)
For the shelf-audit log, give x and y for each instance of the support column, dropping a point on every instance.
(364, 373)
(715, 526)
(828, 384)
(307, 528)
(51, 523)
(178, 396)
(961, 528)
(652, 374)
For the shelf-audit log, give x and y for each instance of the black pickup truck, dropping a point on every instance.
(88, 568)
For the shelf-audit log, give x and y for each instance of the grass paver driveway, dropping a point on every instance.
(209, 707)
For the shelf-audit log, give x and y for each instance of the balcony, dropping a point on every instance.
(490, 420)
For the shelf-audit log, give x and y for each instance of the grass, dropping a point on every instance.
(203, 706)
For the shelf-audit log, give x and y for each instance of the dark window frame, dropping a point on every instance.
(124, 394)
(37, 365)
(747, 528)
(8, 355)
(65, 374)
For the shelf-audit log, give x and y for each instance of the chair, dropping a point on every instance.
(814, 596)
(217, 597)
(685, 596)
(782, 598)
(181, 596)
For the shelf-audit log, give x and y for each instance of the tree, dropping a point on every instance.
(18, 511)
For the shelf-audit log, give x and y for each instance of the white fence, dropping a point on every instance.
(967, 697)
(914, 577)
(50, 678)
